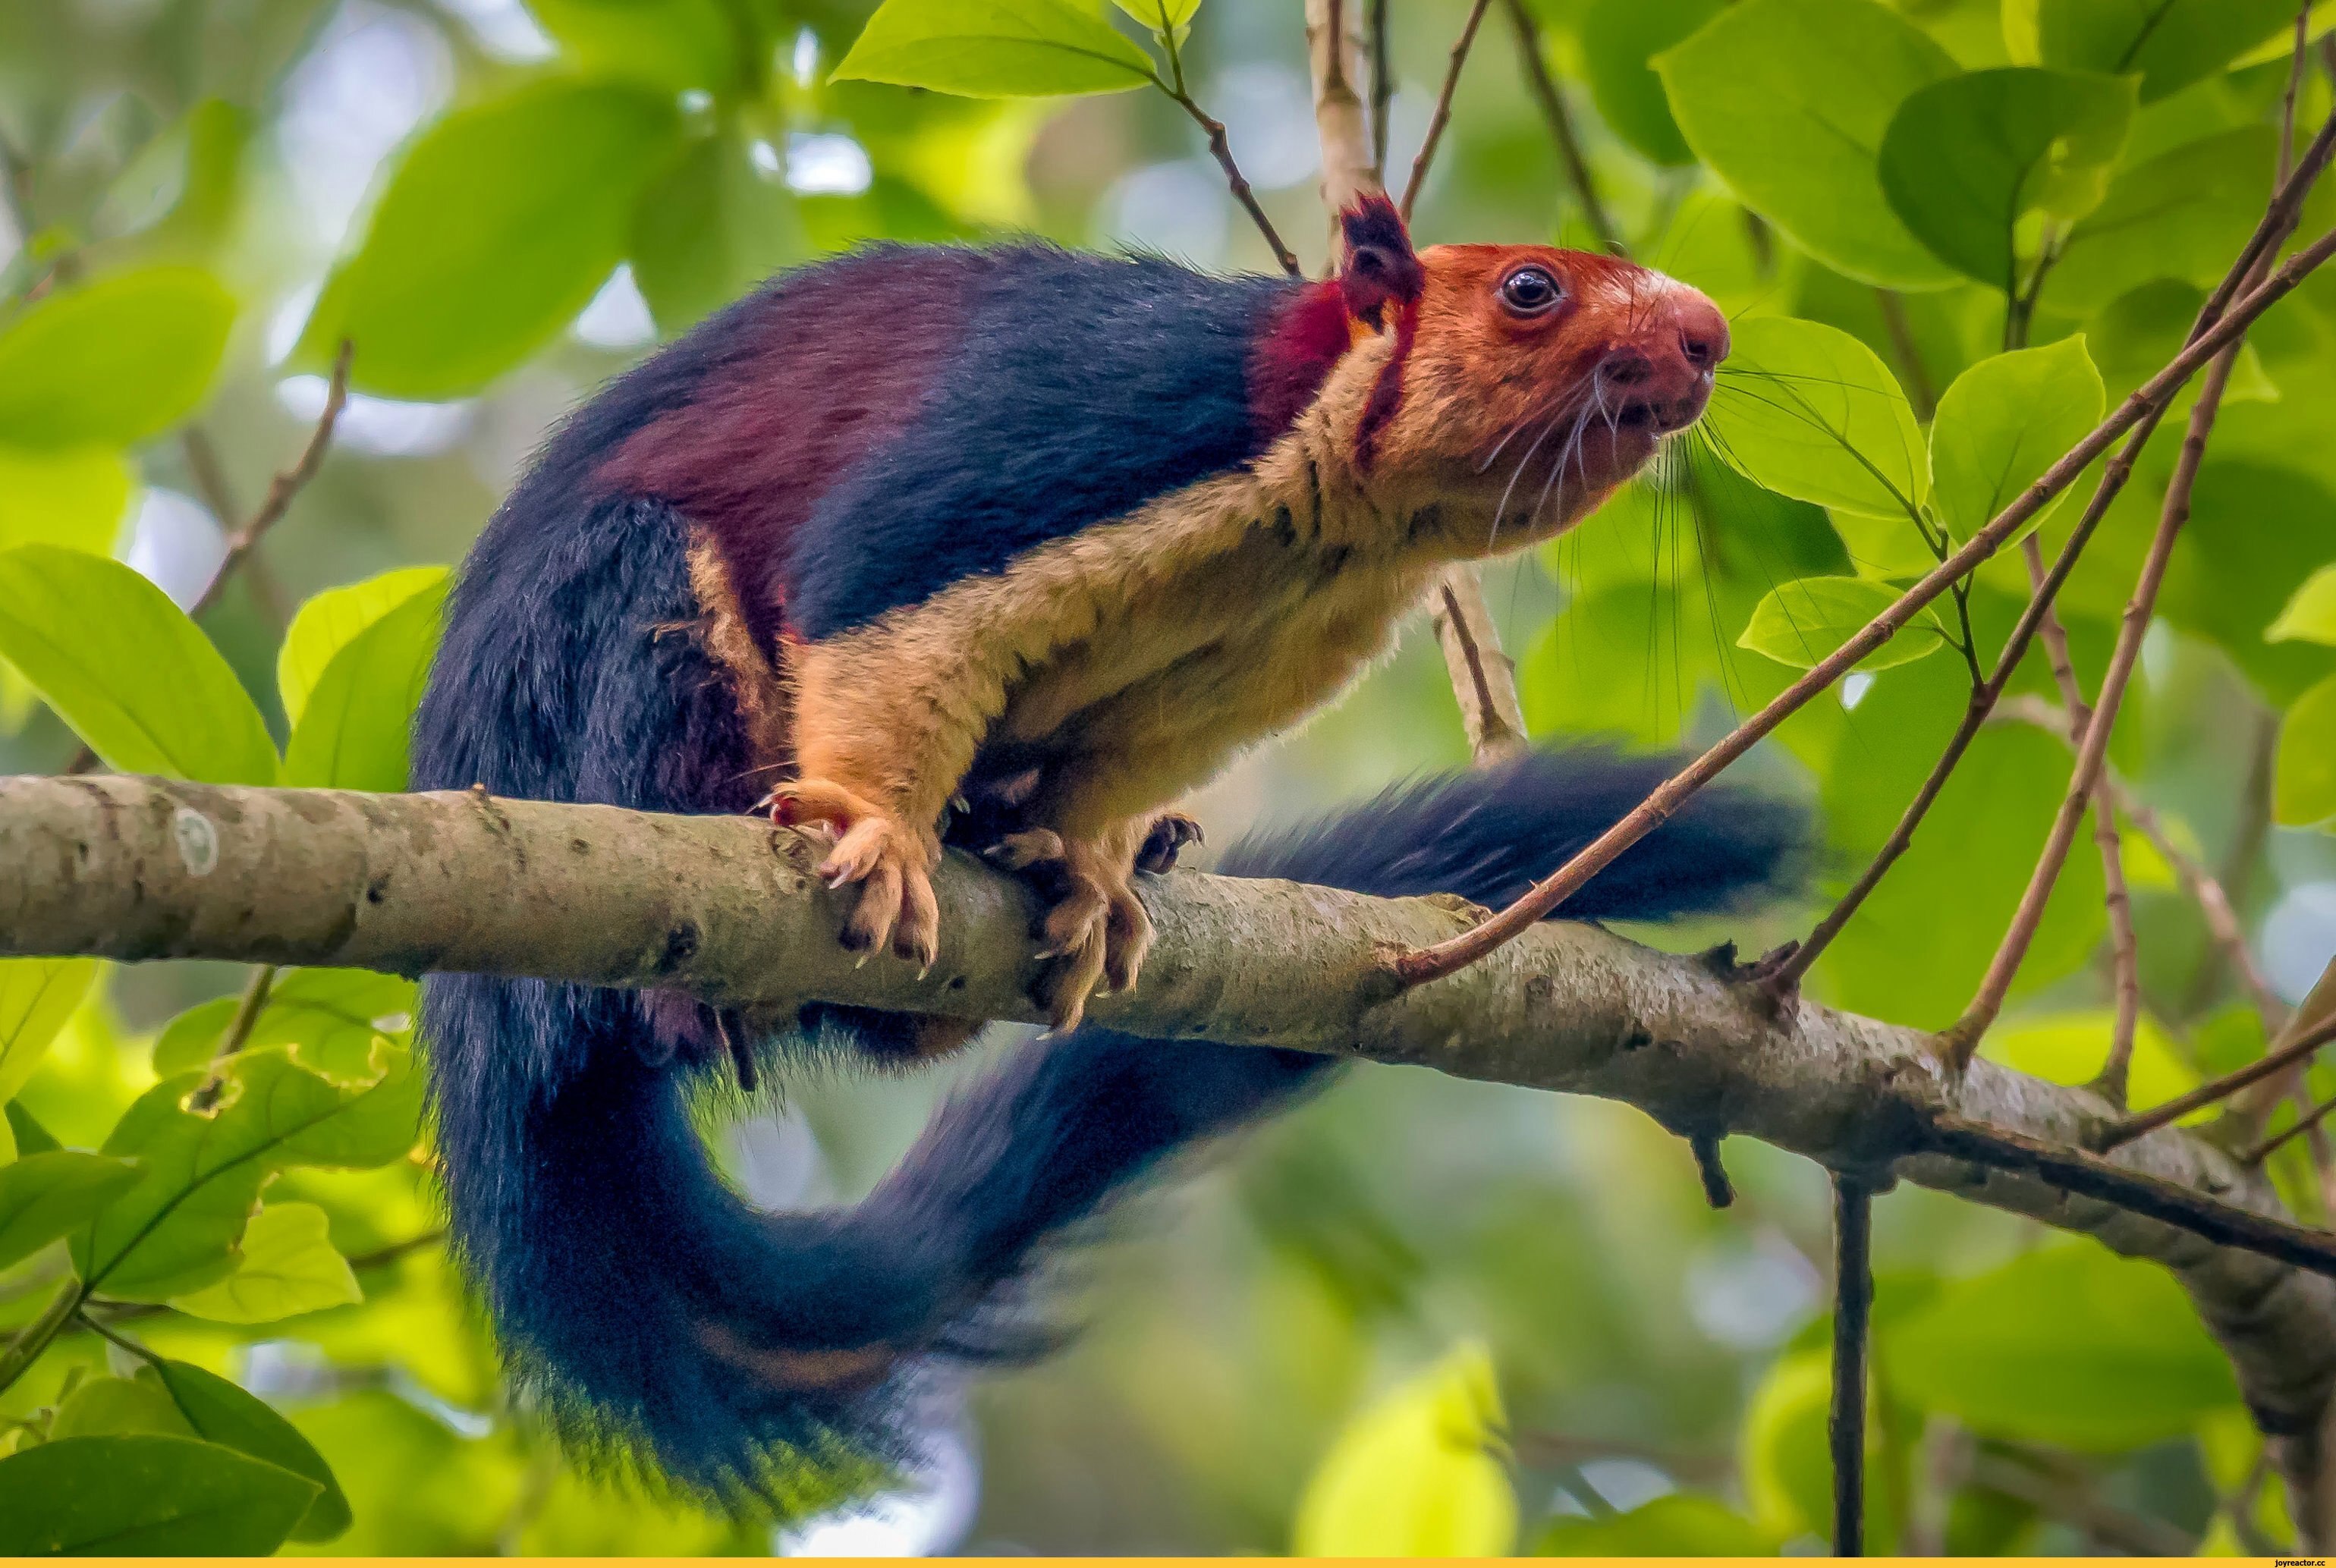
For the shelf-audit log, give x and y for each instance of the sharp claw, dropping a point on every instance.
(921, 973)
(861, 961)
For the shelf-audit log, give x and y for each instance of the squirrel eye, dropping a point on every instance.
(1530, 290)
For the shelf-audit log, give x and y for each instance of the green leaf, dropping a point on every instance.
(124, 358)
(2310, 615)
(1680, 1525)
(2182, 214)
(288, 1266)
(1160, 16)
(78, 497)
(2004, 422)
(501, 224)
(36, 997)
(1787, 101)
(2169, 42)
(146, 1495)
(1964, 158)
(995, 49)
(674, 44)
(331, 620)
(1809, 411)
(708, 229)
(1416, 1473)
(336, 1017)
(1619, 37)
(1804, 621)
(2304, 780)
(201, 1173)
(355, 731)
(110, 1406)
(2069, 1345)
(127, 669)
(223, 1413)
(43, 1196)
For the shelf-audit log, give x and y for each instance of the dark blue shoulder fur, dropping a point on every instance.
(1085, 385)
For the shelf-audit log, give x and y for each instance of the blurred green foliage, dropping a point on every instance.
(1421, 1315)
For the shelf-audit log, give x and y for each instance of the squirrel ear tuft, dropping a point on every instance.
(1380, 266)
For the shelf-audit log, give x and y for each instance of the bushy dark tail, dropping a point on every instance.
(645, 1308)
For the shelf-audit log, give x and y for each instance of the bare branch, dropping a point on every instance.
(1482, 677)
(1853, 1316)
(1417, 966)
(1912, 370)
(1221, 151)
(282, 487)
(2312, 1026)
(1443, 115)
(2124, 952)
(728, 910)
(1551, 99)
(1335, 58)
(1382, 86)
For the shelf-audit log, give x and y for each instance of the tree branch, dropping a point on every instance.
(1484, 678)
(1853, 1317)
(2124, 949)
(1443, 115)
(282, 487)
(729, 910)
(1552, 100)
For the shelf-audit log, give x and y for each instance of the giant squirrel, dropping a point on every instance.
(1008, 548)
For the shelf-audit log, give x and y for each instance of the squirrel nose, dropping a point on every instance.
(1702, 330)
(1665, 369)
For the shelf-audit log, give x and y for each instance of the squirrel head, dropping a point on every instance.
(1546, 375)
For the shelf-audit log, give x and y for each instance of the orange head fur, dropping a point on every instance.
(1535, 377)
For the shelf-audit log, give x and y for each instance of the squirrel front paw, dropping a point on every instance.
(891, 862)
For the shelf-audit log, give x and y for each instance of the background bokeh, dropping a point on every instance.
(1657, 1367)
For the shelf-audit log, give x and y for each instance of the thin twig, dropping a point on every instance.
(1912, 371)
(1853, 1316)
(2090, 1175)
(2312, 1026)
(1222, 150)
(210, 477)
(2203, 888)
(282, 487)
(1382, 86)
(33, 1338)
(1443, 115)
(1552, 100)
(1484, 678)
(1961, 1039)
(2074, 1502)
(1334, 59)
(247, 1008)
(2310, 1119)
(1424, 964)
(2124, 952)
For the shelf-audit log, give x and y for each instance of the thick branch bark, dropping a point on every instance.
(727, 908)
